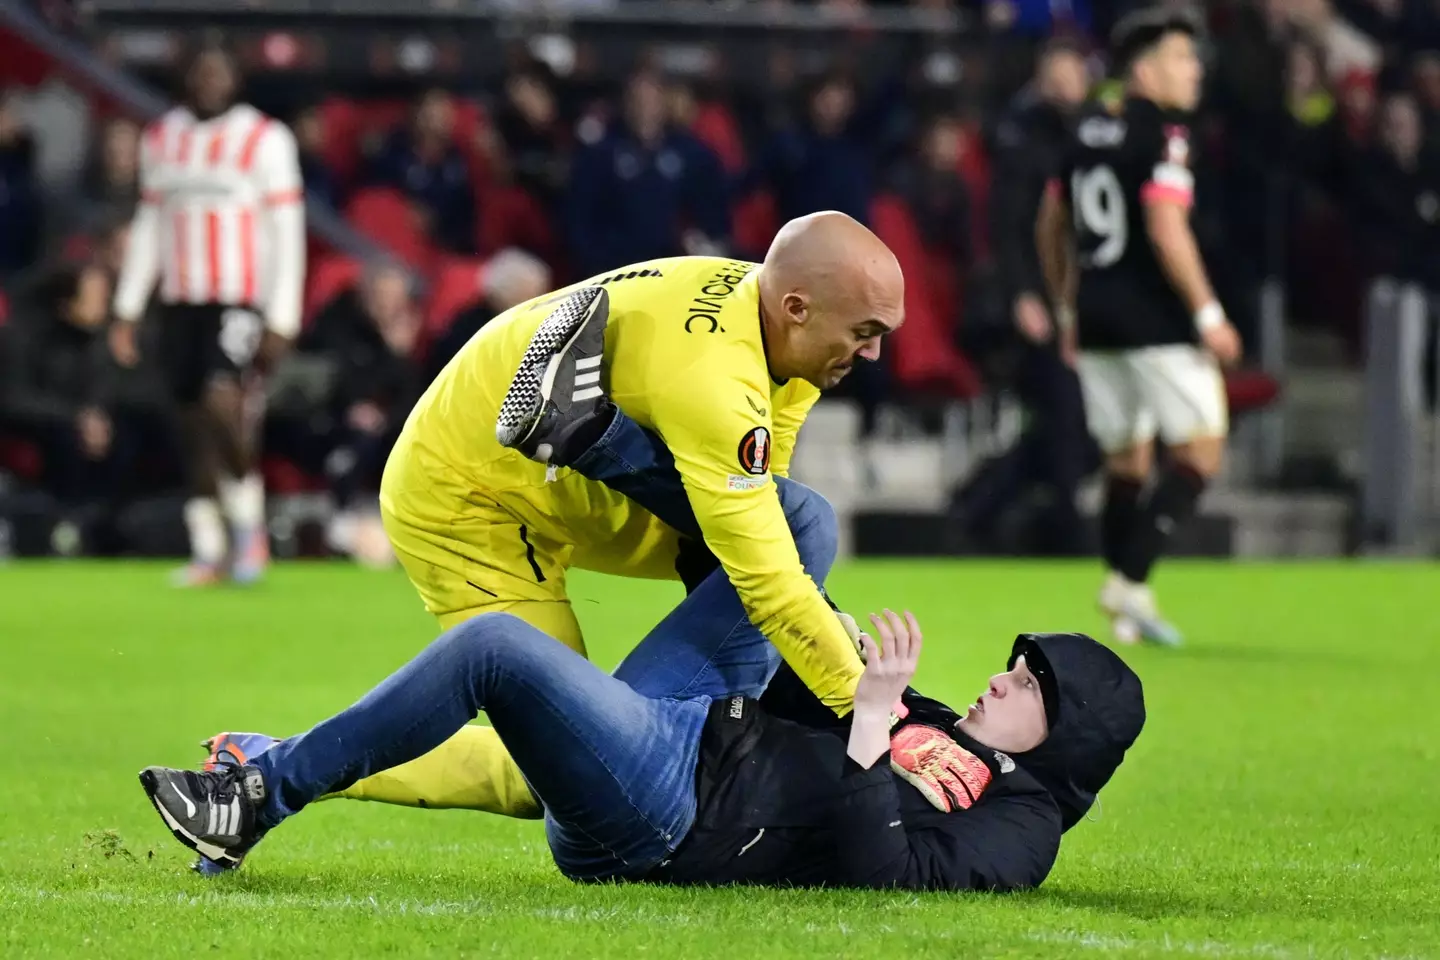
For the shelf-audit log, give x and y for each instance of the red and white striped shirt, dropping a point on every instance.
(221, 217)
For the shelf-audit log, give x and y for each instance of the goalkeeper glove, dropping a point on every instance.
(945, 773)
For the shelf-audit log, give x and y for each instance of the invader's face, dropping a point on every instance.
(1010, 715)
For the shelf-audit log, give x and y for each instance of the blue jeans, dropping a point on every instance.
(634, 461)
(611, 757)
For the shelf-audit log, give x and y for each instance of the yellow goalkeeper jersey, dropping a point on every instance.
(686, 359)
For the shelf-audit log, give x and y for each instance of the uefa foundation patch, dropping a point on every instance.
(738, 482)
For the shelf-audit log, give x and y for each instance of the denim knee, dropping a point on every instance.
(814, 525)
(485, 633)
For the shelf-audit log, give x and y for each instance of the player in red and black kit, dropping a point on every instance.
(1137, 311)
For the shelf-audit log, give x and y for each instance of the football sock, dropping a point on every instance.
(244, 501)
(207, 530)
(1118, 518)
(1171, 504)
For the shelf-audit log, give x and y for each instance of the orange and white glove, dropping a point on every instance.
(946, 774)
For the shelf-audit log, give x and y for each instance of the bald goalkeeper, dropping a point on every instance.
(723, 359)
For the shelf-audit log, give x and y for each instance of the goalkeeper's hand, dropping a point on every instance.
(945, 773)
(852, 630)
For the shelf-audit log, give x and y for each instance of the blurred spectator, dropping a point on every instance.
(1026, 146)
(1302, 140)
(370, 334)
(1054, 454)
(1398, 197)
(711, 122)
(111, 185)
(941, 204)
(56, 387)
(19, 203)
(510, 277)
(424, 161)
(367, 338)
(533, 134)
(1357, 101)
(108, 252)
(825, 163)
(1342, 47)
(644, 190)
(321, 183)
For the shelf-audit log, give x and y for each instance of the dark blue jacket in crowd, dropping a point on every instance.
(1041, 17)
(629, 202)
(19, 206)
(809, 172)
(321, 185)
(442, 188)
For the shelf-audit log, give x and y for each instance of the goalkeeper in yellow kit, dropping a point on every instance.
(723, 360)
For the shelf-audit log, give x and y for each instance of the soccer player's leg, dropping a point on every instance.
(1183, 386)
(182, 347)
(1123, 427)
(616, 769)
(228, 402)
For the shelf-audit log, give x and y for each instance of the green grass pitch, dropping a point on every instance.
(1284, 800)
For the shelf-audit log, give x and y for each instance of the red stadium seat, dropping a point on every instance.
(754, 223)
(946, 285)
(974, 168)
(378, 118)
(4, 308)
(457, 284)
(341, 121)
(284, 478)
(330, 277)
(20, 457)
(715, 127)
(923, 355)
(511, 217)
(1250, 390)
(388, 217)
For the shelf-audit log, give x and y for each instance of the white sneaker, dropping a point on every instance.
(1114, 594)
(1112, 601)
(1140, 607)
(1125, 630)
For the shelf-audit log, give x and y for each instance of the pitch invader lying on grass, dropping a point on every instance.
(668, 772)
(671, 770)
(713, 788)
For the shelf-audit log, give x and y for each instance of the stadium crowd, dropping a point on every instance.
(1316, 162)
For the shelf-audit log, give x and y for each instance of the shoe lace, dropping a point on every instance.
(225, 782)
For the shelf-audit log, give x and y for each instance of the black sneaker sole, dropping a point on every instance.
(523, 408)
(151, 783)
